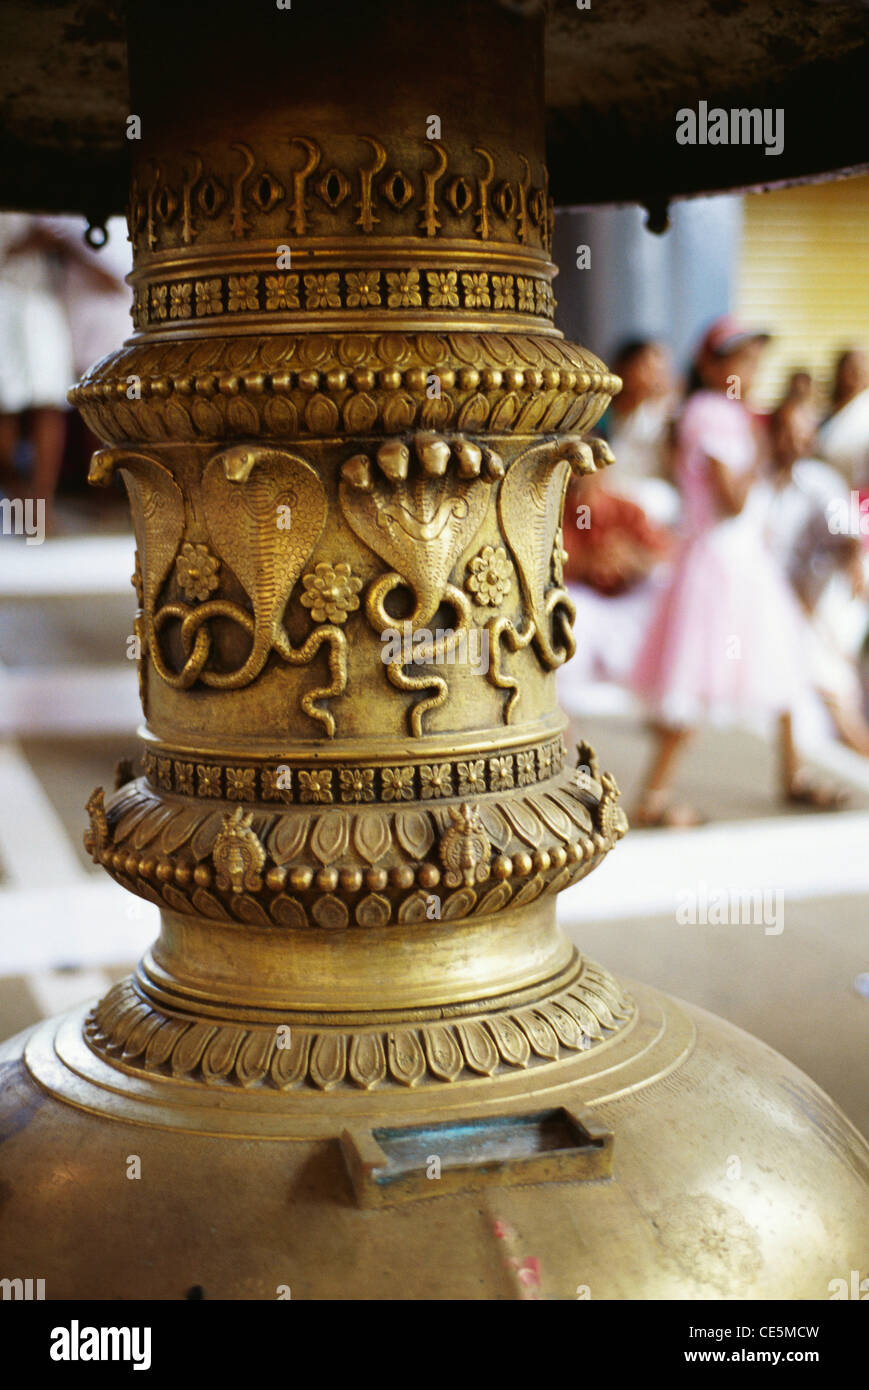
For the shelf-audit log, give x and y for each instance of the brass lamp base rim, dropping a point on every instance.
(649, 1043)
(729, 1175)
(128, 1046)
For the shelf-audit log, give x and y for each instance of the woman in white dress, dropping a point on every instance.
(60, 308)
(35, 352)
(826, 568)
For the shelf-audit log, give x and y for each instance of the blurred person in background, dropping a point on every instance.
(825, 565)
(843, 438)
(62, 306)
(614, 524)
(35, 355)
(800, 394)
(723, 646)
(613, 546)
(637, 428)
(94, 290)
(615, 556)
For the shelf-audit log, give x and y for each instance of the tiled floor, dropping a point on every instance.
(726, 775)
(796, 990)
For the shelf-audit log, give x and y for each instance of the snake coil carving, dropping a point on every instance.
(419, 518)
(530, 508)
(241, 491)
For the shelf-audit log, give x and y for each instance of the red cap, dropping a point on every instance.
(727, 334)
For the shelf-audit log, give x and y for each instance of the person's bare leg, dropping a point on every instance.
(48, 432)
(789, 762)
(8, 440)
(655, 799)
(797, 786)
(850, 724)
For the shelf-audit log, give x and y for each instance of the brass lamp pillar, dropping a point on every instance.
(346, 423)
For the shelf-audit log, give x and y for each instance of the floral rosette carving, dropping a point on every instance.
(331, 592)
(489, 577)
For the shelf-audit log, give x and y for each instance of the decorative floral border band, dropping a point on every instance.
(323, 292)
(291, 784)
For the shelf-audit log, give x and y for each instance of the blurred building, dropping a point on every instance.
(795, 260)
(804, 271)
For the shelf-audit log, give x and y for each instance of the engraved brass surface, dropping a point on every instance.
(346, 424)
(354, 806)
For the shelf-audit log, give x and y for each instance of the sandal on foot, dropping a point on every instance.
(820, 796)
(660, 815)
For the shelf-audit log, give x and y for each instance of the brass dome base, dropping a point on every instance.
(732, 1176)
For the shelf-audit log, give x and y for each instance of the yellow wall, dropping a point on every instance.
(804, 275)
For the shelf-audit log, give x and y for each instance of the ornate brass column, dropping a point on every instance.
(346, 422)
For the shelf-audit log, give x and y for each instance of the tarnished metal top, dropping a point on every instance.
(616, 75)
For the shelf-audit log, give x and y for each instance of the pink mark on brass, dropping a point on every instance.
(528, 1271)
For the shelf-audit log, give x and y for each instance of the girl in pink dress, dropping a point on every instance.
(723, 646)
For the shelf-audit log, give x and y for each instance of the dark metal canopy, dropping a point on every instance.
(616, 75)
